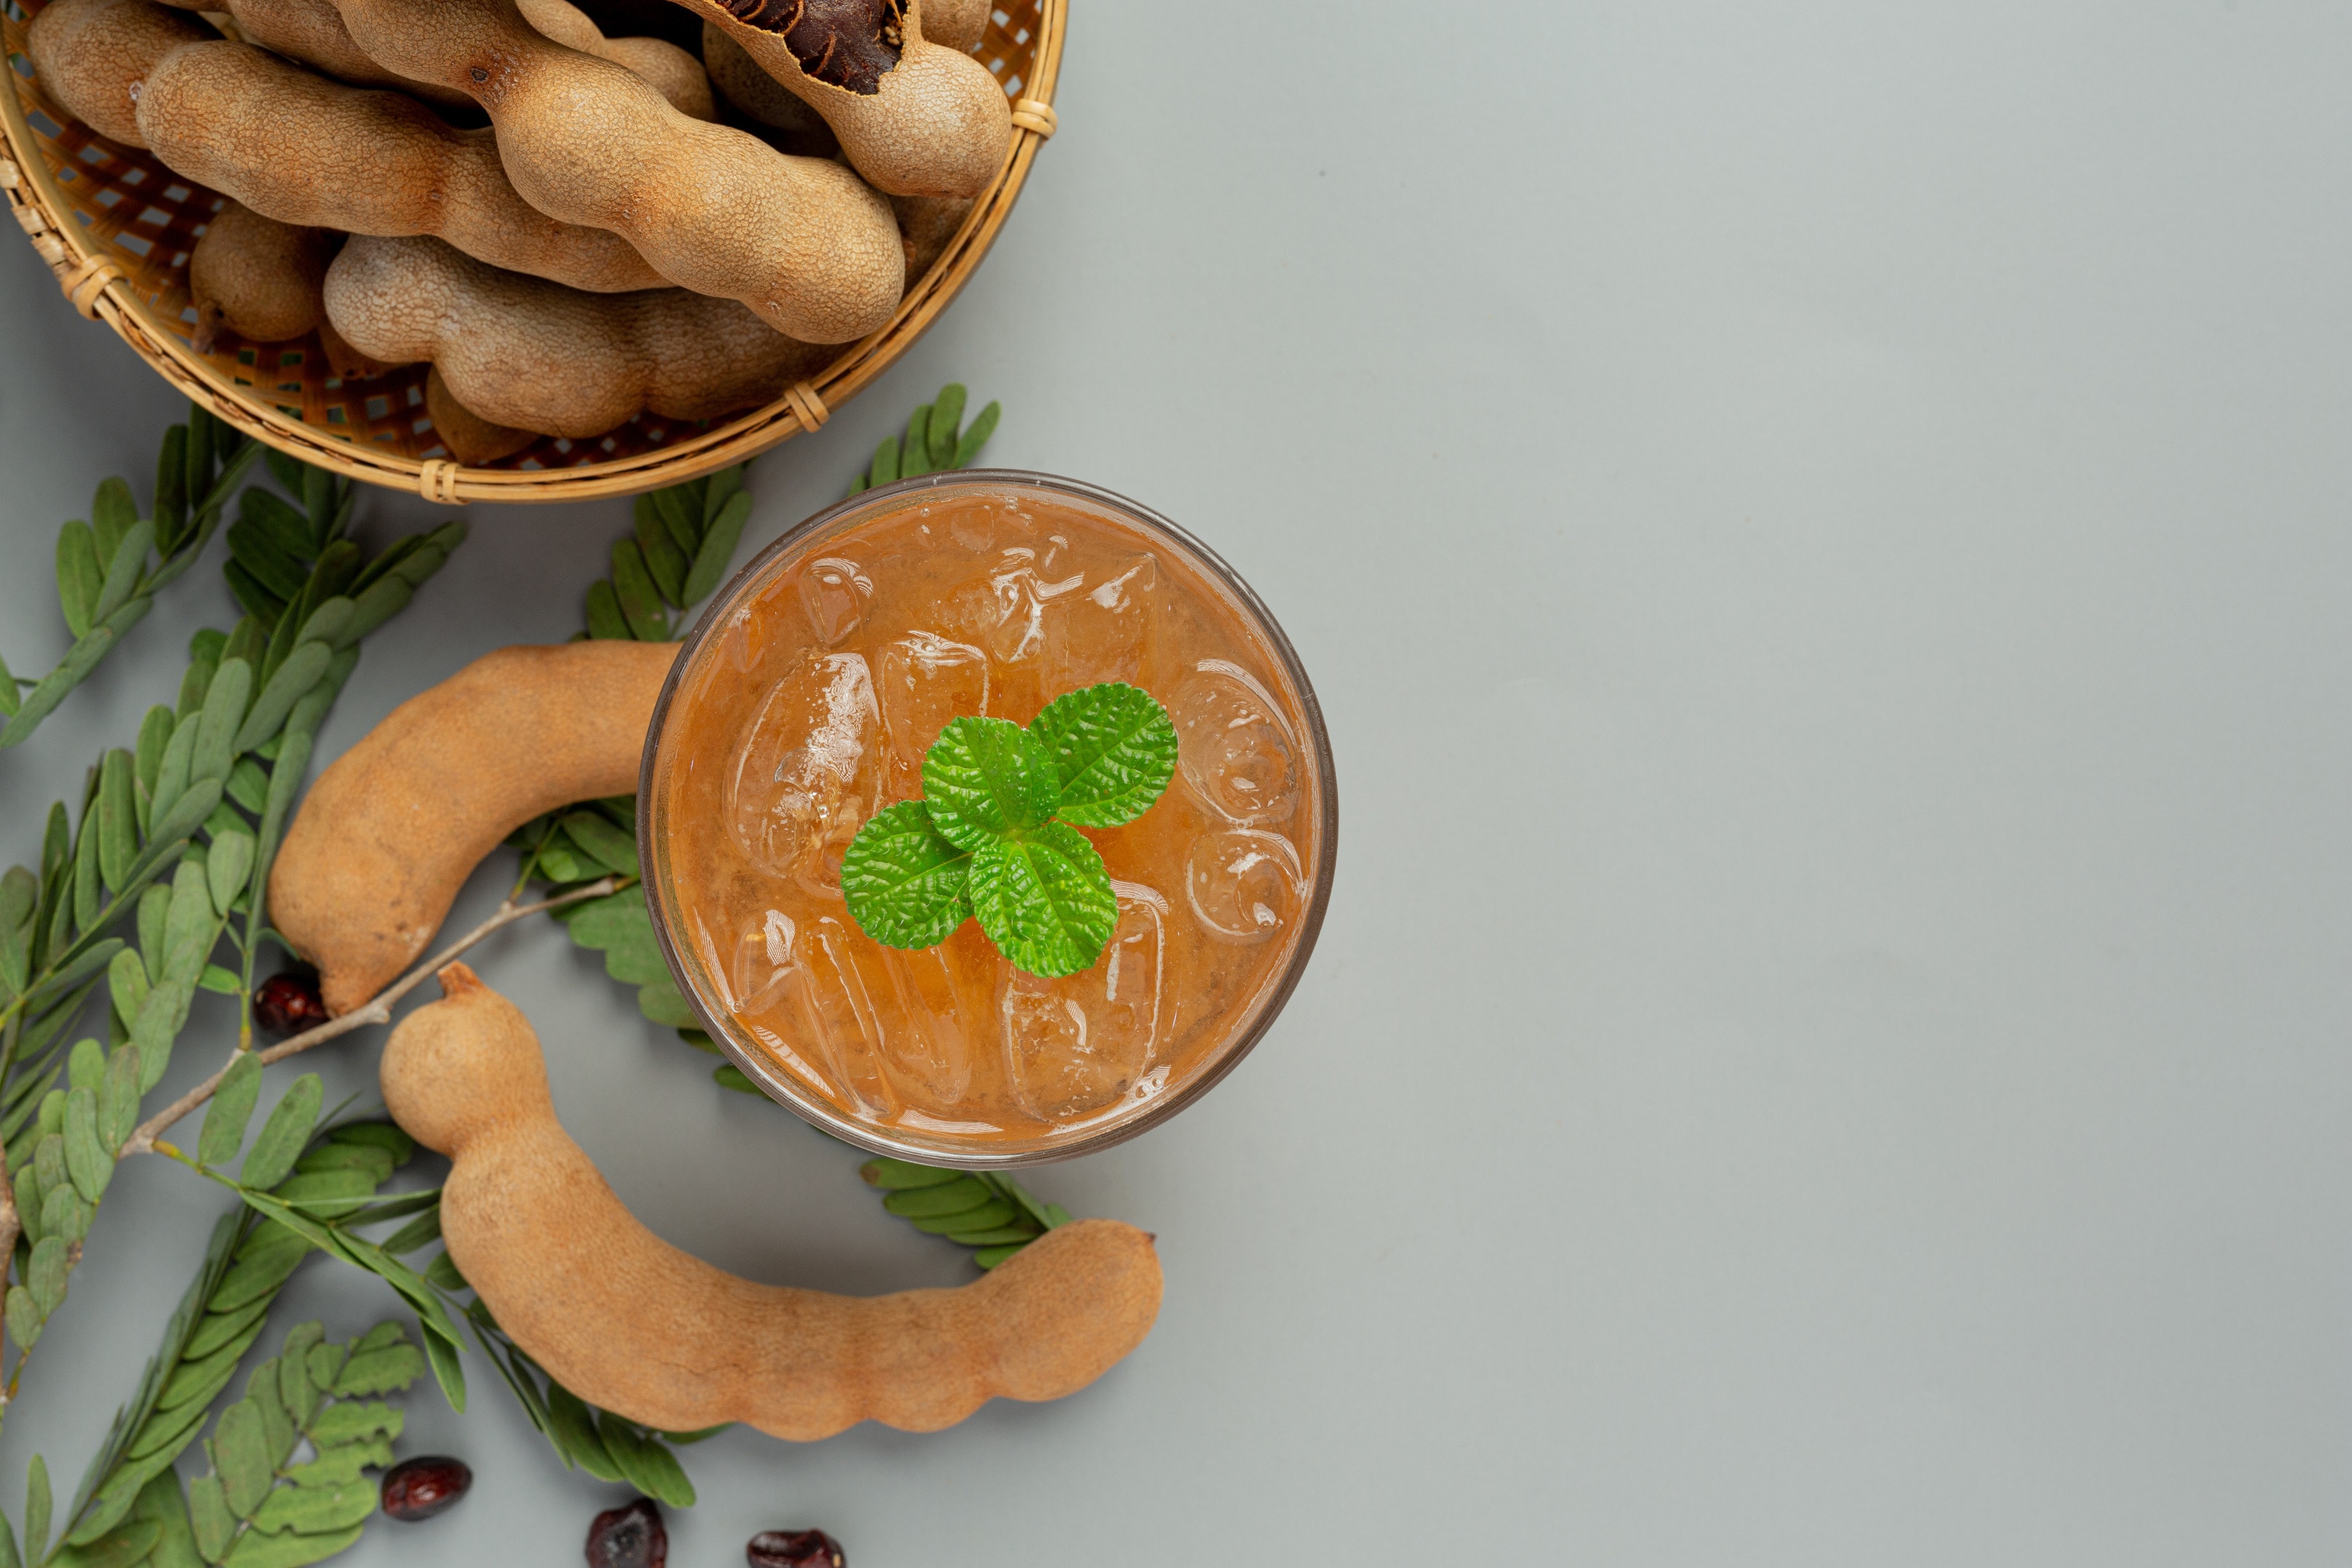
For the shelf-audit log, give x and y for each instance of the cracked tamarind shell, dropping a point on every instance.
(534, 355)
(915, 117)
(739, 80)
(801, 242)
(395, 827)
(654, 1334)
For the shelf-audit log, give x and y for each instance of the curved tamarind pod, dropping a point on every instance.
(916, 118)
(956, 24)
(675, 74)
(223, 114)
(800, 241)
(739, 80)
(92, 57)
(925, 225)
(535, 355)
(258, 278)
(633, 1324)
(313, 33)
(392, 830)
(471, 439)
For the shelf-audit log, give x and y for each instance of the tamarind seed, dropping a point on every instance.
(420, 1487)
(629, 1537)
(793, 1548)
(288, 1003)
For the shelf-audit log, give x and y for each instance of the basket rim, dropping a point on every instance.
(93, 281)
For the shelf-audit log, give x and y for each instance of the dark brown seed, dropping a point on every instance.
(421, 1488)
(288, 1004)
(793, 1548)
(630, 1537)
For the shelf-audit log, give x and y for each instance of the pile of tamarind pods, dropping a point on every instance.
(564, 225)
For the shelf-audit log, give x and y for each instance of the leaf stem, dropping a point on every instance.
(375, 1010)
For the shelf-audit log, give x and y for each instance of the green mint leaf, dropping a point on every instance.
(986, 777)
(1044, 900)
(904, 881)
(1115, 750)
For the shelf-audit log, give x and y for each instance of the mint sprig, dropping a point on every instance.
(992, 837)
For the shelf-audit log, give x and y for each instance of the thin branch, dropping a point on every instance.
(376, 1010)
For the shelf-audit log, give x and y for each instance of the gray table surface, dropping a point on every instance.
(1819, 531)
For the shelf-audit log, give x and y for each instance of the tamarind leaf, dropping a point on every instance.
(376, 604)
(999, 1236)
(423, 1229)
(173, 770)
(112, 514)
(990, 1256)
(327, 623)
(859, 486)
(718, 490)
(79, 575)
(667, 536)
(65, 1215)
(278, 1429)
(154, 734)
(301, 672)
(448, 1372)
(287, 470)
(375, 1136)
(991, 1216)
(248, 785)
(172, 1430)
(735, 1078)
(230, 1112)
(976, 435)
(256, 543)
(353, 1421)
(342, 1463)
(196, 1381)
(223, 712)
(172, 485)
(327, 1194)
(20, 890)
(611, 848)
(282, 1136)
(716, 551)
(82, 966)
(259, 605)
(915, 453)
(226, 869)
(163, 1504)
(87, 1159)
(679, 512)
(188, 922)
(899, 1175)
(24, 1318)
(209, 1517)
(371, 1160)
(318, 499)
(240, 1448)
(573, 1432)
(123, 576)
(640, 601)
(961, 1196)
(45, 1275)
(314, 1509)
(36, 1509)
(947, 414)
(157, 1027)
(605, 622)
(118, 1099)
(256, 1550)
(646, 1464)
(88, 885)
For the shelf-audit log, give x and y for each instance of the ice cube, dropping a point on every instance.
(1236, 753)
(1103, 633)
(809, 770)
(835, 593)
(930, 1054)
(1243, 884)
(833, 991)
(764, 960)
(923, 681)
(1078, 1044)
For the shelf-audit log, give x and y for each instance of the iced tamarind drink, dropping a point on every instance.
(964, 628)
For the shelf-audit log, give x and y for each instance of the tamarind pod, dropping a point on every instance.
(925, 225)
(800, 241)
(957, 24)
(223, 114)
(471, 439)
(258, 278)
(92, 57)
(916, 118)
(675, 74)
(391, 831)
(346, 362)
(652, 1333)
(740, 81)
(313, 33)
(534, 355)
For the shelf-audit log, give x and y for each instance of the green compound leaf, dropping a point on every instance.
(1044, 900)
(283, 1135)
(986, 777)
(1114, 748)
(231, 1111)
(904, 881)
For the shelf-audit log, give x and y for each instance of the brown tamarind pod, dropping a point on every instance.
(535, 355)
(345, 363)
(654, 1334)
(391, 831)
(926, 225)
(956, 24)
(471, 439)
(258, 278)
(915, 117)
(675, 74)
(801, 242)
(313, 33)
(92, 58)
(223, 114)
(739, 80)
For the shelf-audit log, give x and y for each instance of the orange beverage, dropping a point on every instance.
(805, 702)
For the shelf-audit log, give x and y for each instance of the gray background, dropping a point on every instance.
(1819, 530)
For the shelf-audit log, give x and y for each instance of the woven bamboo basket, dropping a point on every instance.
(116, 227)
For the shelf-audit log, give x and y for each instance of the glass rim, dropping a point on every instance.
(789, 1092)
